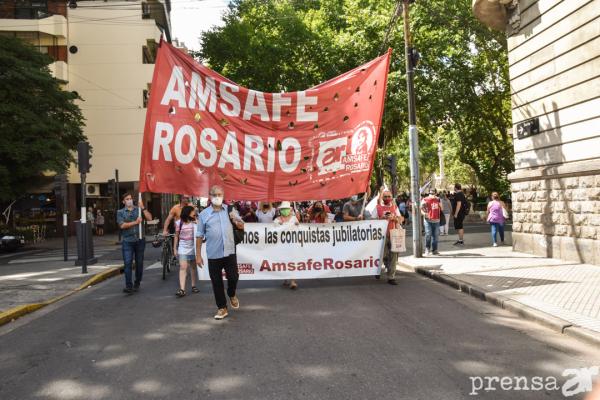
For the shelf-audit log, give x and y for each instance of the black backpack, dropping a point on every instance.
(466, 206)
(238, 234)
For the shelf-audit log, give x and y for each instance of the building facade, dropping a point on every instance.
(554, 67)
(105, 51)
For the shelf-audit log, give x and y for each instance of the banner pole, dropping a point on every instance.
(140, 214)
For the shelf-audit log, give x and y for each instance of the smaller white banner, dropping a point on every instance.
(307, 251)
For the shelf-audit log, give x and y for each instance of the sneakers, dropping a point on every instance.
(221, 313)
(495, 244)
(427, 252)
(235, 302)
(136, 287)
(128, 290)
(435, 253)
(459, 243)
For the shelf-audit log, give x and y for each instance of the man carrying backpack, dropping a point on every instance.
(430, 209)
(460, 211)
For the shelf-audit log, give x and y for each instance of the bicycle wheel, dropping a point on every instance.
(164, 260)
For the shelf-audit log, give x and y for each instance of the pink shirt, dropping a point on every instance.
(495, 212)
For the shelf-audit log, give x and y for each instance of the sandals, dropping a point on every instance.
(195, 289)
(180, 293)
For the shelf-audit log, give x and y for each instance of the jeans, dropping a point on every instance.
(444, 228)
(390, 259)
(215, 270)
(129, 250)
(497, 228)
(432, 231)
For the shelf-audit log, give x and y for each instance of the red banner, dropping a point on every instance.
(202, 129)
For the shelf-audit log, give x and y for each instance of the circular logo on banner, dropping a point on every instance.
(363, 138)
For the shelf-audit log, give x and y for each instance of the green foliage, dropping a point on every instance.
(39, 123)
(461, 83)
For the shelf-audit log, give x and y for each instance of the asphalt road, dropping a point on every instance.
(332, 339)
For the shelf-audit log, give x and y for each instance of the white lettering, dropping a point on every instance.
(253, 147)
(285, 145)
(230, 99)
(230, 153)
(182, 133)
(162, 142)
(204, 94)
(207, 137)
(270, 154)
(255, 104)
(302, 102)
(278, 102)
(175, 88)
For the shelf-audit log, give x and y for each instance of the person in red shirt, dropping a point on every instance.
(387, 209)
(430, 210)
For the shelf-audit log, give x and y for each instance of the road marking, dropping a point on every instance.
(156, 265)
(17, 254)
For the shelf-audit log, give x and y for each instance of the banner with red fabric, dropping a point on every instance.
(203, 129)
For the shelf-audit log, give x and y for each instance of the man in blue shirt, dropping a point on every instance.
(129, 222)
(215, 225)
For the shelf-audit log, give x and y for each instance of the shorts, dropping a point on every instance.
(186, 257)
(458, 221)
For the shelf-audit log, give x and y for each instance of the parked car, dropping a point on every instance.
(10, 241)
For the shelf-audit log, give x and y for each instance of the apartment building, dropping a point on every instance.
(105, 51)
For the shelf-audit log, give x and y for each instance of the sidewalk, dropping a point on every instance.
(562, 295)
(38, 276)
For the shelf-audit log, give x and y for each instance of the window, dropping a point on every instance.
(149, 51)
(31, 9)
(145, 10)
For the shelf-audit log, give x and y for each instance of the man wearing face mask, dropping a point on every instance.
(129, 221)
(387, 209)
(215, 225)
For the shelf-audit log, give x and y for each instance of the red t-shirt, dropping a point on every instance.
(382, 209)
(432, 205)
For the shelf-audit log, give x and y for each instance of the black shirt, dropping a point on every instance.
(459, 196)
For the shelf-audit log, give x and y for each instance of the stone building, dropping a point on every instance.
(554, 67)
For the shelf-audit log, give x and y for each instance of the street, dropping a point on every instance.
(332, 339)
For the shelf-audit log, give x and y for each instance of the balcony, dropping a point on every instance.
(55, 25)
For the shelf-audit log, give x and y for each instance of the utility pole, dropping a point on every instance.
(442, 176)
(413, 136)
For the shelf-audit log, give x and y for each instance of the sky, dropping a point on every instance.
(191, 17)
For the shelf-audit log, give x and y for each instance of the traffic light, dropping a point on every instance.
(84, 155)
(415, 57)
(391, 162)
(111, 188)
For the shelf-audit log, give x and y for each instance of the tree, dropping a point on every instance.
(461, 83)
(39, 123)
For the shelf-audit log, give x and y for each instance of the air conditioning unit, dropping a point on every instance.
(92, 189)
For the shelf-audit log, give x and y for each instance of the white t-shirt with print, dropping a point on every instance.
(187, 243)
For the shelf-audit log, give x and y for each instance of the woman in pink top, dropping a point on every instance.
(495, 216)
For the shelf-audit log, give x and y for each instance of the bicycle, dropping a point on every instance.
(167, 259)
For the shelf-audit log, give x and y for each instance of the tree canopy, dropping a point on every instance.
(39, 123)
(462, 89)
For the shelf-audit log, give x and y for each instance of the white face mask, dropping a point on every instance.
(216, 200)
(354, 198)
(129, 203)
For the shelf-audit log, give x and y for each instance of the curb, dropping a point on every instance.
(19, 311)
(550, 321)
